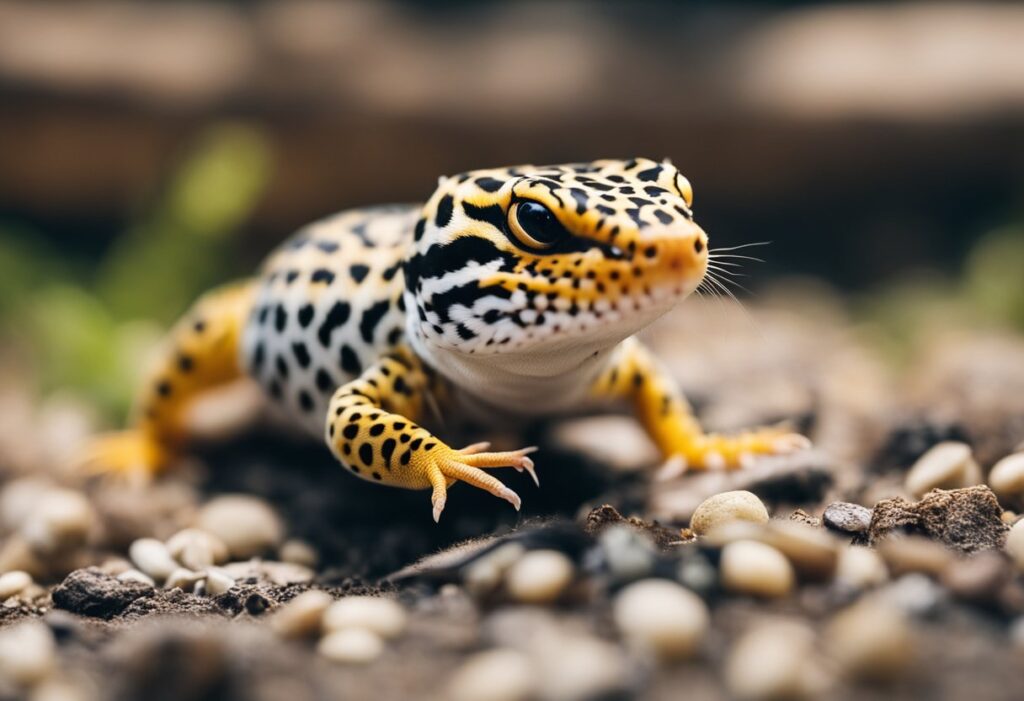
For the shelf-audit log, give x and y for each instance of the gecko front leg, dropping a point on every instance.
(665, 414)
(371, 428)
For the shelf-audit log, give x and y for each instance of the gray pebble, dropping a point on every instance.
(845, 517)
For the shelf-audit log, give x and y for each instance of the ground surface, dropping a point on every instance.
(947, 580)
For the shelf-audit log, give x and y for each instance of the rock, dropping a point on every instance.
(351, 646)
(279, 573)
(844, 517)
(662, 617)
(870, 641)
(978, 578)
(485, 574)
(697, 574)
(616, 441)
(628, 553)
(13, 582)
(539, 576)
(915, 594)
(302, 615)
(245, 524)
(501, 674)
(218, 581)
(967, 519)
(1015, 545)
(197, 549)
(1007, 476)
(750, 567)
(726, 507)
(774, 661)
(27, 653)
(812, 551)
(384, 617)
(948, 465)
(860, 568)
(299, 552)
(61, 521)
(58, 690)
(152, 557)
(89, 592)
(184, 579)
(18, 499)
(906, 554)
(134, 575)
(579, 668)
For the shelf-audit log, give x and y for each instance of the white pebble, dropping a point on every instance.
(58, 690)
(1007, 476)
(749, 567)
(299, 552)
(27, 653)
(539, 576)
(134, 575)
(948, 465)
(18, 499)
(13, 582)
(870, 641)
(484, 575)
(302, 615)
(384, 617)
(183, 578)
(580, 667)
(501, 674)
(1015, 544)
(152, 557)
(726, 507)
(217, 581)
(774, 661)
(860, 568)
(812, 551)
(60, 521)
(197, 549)
(661, 616)
(351, 646)
(629, 553)
(245, 524)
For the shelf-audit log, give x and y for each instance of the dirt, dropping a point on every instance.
(966, 520)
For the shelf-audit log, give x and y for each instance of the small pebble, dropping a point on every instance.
(218, 581)
(812, 551)
(58, 690)
(979, 577)
(915, 594)
(539, 576)
(914, 553)
(697, 574)
(775, 661)
(134, 575)
(870, 641)
(299, 552)
(1007, 476)
(948, 465)
(1015, 544)
(27, 653)
(484, 575)
(725, 507)
(197, 549)
(628, 553)
(749, 567)
(152, 557)
(351, 646)
(384, 617)
(60, 521)
(245, 524)
(662, 617)
(183, 578)
(12, 583)
(860, 568)
(18, 499)
(302, 615)
(844, 517)
(580, 668)
(501, 674)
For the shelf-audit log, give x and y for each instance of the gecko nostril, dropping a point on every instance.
(698, 246)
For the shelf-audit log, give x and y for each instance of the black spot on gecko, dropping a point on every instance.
(336, 317)
(322, 275)
(305, 315)
(444, 211)
(366, 454)
(350, 361)
(324, 381)
(185, 363)
(350, 431)
(387, 448)
(280, 318)
(359, 272)
(301, 354)
(376, 429)
(305, 401)
(372, 317)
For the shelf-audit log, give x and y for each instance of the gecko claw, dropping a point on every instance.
(511, 497)
(438, 508)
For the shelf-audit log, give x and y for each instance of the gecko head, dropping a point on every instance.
(537, 259)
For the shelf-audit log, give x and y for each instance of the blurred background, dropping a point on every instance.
(151, 149)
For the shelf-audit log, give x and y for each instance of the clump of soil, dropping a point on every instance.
(967, 520)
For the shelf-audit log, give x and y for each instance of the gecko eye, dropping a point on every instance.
(534, 225)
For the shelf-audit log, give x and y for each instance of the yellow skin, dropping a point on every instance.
(511, 291)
